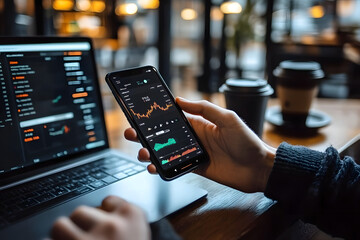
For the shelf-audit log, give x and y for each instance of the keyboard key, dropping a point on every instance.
(98, 184)
(120, 175)
(97, 163)
(28, 203)
(73, 186)
(45, 197)
(111, 160)
(87, 180)
(132, 172)
(58, 191)
(119, 169)
(84, 189)
(114, 164)
(139, 168)
(36, 208)
(43, 191)
(109, 179)
(95, 170)
(128, 170)
(99, 175)
(31, 195)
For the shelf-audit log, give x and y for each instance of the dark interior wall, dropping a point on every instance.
(7, 17)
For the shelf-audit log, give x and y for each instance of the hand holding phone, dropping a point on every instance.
(160, 124)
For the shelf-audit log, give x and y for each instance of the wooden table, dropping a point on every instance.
(230, 214)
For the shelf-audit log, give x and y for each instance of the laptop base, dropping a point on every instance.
(155, 196)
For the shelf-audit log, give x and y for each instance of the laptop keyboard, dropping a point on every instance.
(22, 201)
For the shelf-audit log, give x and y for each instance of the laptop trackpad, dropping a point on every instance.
(155, 196)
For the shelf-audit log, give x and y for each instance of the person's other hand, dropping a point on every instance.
(238, 158)
(114, 219)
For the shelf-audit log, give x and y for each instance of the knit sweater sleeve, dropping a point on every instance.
(320, 187)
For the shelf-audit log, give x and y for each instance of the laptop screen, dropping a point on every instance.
(50, 105)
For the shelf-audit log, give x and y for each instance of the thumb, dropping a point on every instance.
(207, 110)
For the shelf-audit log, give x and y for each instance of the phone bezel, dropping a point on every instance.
(173, 172)
(351, 148)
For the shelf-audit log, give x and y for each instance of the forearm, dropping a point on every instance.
(320, 187)
(293, 172)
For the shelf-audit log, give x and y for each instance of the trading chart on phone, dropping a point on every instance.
(158, 119)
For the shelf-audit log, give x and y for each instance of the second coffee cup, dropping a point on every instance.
(296, 87)
(248, 98)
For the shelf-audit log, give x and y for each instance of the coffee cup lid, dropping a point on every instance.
(299, 69)
(247, 86)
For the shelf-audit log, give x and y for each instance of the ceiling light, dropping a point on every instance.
(317, 11)
(126, 9)
(83, 5)
(148, 4)
(188, 14)
(230, 7)
(98, 6)
(63, 5)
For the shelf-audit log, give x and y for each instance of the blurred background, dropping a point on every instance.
(198, 44)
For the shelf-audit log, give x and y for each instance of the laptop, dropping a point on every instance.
(54, 145)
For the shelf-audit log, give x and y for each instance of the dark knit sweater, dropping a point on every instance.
(320, 187)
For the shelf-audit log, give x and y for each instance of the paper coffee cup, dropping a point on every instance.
(296, 88)
(248, 98)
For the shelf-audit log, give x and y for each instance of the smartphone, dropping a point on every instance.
(159, 122)
(352, 149)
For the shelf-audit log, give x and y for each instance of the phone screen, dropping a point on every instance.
(159, 122)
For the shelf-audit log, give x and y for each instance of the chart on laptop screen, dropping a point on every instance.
(49, 104)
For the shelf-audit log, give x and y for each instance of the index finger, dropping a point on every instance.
(130, 134)
(118, 205)
(111, 203)
(87, 217)
(64, 228)
(209, 111)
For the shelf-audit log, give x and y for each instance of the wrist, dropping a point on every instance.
(268, 164)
